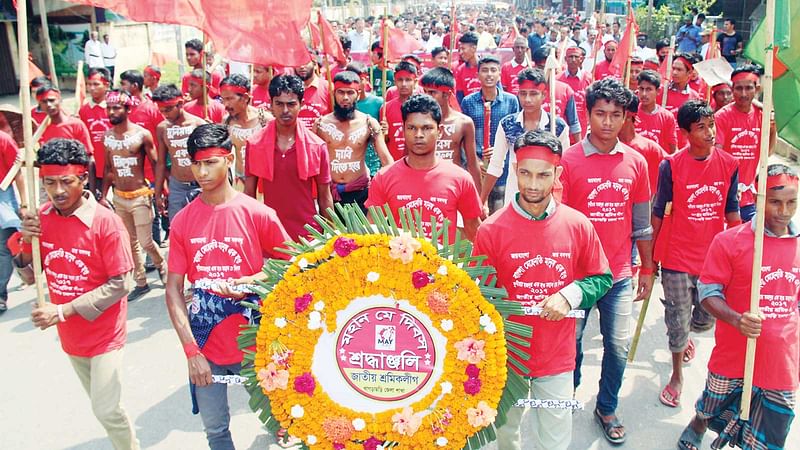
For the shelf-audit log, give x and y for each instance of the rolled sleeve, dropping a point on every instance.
(706, 290)
(498, 159)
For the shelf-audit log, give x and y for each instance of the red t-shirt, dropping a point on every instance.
(676, 99)
(605, 187)
(70, 128)
(441, 192)
(392, 94)
(699, 191)
(602, 70)
(37, 115)
(467, 80)
(216, 78)
(578, 85)
(739, 134)
(78, 258)
(563, 94)
(660, 126)
(8, 154)
(95, 118)
(730, 263)
(535, 259)
(397, 139)
(222, 242)
(653, 154)
(316, 103)
(260, 96)
(508, 76)
(216, 112)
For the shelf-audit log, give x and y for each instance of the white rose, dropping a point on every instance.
(485, 320)
(359, 424)
(297, 411)
(442, 270)
(491, 328)
(447, 387)
(315, 316)
(319, 306)
(441, 441)
(303, 263)
(311, 439)
(446, 324)
(280, 322)
(373, 277)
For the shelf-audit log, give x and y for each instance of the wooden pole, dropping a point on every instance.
(48, 46)
(385, 69)
(27, 131)
(205, 81)
(712, 44)
(325, 57)
(761, 200)
(669, 71)
(630, 49)
(180, 49)
(552, 83)
(452, 35)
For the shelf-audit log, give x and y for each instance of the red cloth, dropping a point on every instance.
(400, 43)
(213, 91)
(222, 242)
(95, 118)
(467, 79)
(602, 70)
(329, 40)
(76, 259)
(316, 102)
(260, 96)
(740, 135)
(699, 191)
(260, 157)
(394, 117)
(37, 116)
(147, 115)
(508, 41)
(216, 112)
(440, 192)
(9, 152)
(237, 29)
(700, 87)
(660, 126)
(291, 196)
(623, 53)
(730, 263)
(653, 154)
(70, 128)
(563, 94)
(675, 100)
(392, 94)
(535, 259)
(605, 188)
(508, 76)
(578, 83)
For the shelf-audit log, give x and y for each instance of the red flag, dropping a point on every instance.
(313, 29)
(331, 45)
(508, 42)
(237, 28)
(400, 42)
(623, 54)
(33, 70)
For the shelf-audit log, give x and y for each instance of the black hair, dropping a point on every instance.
(357, 68)
(235, 79)
(439, 76)
(469, 37)
(407, 66)
(523, 30)
(541, 138)
(691, 112)
(779, 169)
(46, 87)
(39, 81)
(102, 71)
(661, 44)
(194, 44)
(376, 46)
(755, 69)
(287, 84)
(541, 54)
(60, 151)
(346, 42)
(610, 90)
(701, 16)
(633, 104)
(488, 59)
(423, 104)
(535, 75)
(650, 76)
(416, 58)
(206, 136)
(347, 77)
(731, 20)
(133, 77)
(166, 92)
(691, 57)
(435, 52)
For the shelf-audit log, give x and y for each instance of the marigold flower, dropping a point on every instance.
(338, 429)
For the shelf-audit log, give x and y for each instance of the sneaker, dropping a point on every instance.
(138, 292)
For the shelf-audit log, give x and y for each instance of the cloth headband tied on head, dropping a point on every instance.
(539, 152)
(346, 85)
(744, 76)
(152, 73)
(40, 97)
(404, 74)
(168, 103)
(57, 170)
(686, 62)
(119, 98)
(210, 152)
(718, 87)
(529, 84)
(433, 87)
(100, 78)
(783, 180)
(234, 88)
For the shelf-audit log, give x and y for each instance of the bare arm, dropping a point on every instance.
(324, 197)
(150, 148)
(380, 143)
(199, 370)
(473, 165)
(19, 181)
(161, 167)
(251, 185)
(748, 324)
(108, 179)
(471, 227)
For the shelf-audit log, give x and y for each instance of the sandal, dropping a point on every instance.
(690, 439)
(688, 354)
(674, 398)
(3, 305)
(608, 427)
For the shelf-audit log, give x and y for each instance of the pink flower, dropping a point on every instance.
(301, 303)
(305, 384)
(473, 371)
(406, 422)
(403, 247)
(420, 279)
(470, 350)
(271, 378)
(472, 386)
(338, 446)
(372, 443)
(438, 302)
(482, 416)
(344, 246)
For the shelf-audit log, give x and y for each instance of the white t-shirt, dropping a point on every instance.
(109, 55)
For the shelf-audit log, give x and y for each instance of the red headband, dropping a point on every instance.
(537, 152)
(529, 84)
(210, 152)
(686, 62)
(40, 97)
(199, 79)
(404, 74)
(234, 88)
(719, 87)
(152, 73)
(100, 78)
(781, 180)
(744, 76)
(119, 98)
(573, 51)
(346, 85)
(167, 103)
(57, 170)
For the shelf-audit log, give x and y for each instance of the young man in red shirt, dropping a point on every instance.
(724, 290)
(217, 242)
(577, 79)
(466, 74)
(86, 257)
(93, 114)
(534, 240)
(200, 105)
(566, 107)
(38, 114)
(510, 70)
(739, 133)
(695, 199)
(721, 95)
(289, 161)
(654, 121)
(405, 79)
(316, 95)
(679, 91)
(152, 76)
(608, 182)
(261, 79)
(196, 59)
(421, 181)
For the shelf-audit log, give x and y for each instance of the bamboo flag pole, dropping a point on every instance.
(27, 131)
(550, 68)
(755, 286)
(325, 56)
(712, 44)
(48, 46)
(670, 55)
(385, 46)
(205, 80)
(631, 47)
(452, 35)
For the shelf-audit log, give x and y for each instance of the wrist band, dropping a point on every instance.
(60, 309)
(27, 248)
(190, 349)
(646, 270)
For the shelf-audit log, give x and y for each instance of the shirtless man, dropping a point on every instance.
(457, 138)
(347, 133)
(243, 119)
(126, 145)
(171, 136)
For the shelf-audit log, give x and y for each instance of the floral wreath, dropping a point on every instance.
(353, 263)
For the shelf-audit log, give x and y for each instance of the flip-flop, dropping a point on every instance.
(688, 354)
(610, 426)
(688, 438)
(675, 395)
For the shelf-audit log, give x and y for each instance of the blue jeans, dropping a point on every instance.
(747, 212)
(6, 264)
(214, 410)
(615, 312)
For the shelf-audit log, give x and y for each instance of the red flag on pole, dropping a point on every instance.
(33, 71)
(237, 28)
(400, 42)
(331, 45)
(623, 54)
